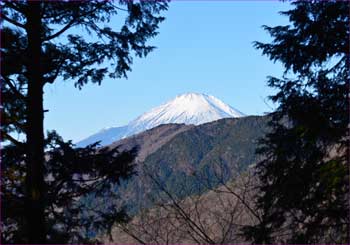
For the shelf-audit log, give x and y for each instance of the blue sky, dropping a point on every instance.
(202, 46)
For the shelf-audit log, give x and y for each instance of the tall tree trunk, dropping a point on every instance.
(35, 129)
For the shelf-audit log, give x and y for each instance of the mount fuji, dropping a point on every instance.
(189, 108)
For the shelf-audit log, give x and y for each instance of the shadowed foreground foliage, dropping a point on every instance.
(304, 191)
(40, 45)
(70, 175)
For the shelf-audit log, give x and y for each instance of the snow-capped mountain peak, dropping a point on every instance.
(189, 108)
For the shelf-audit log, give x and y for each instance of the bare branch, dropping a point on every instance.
(69, 25)
(12, 87)
(131, 234)
(192, 224)
(13, 22)
(6, 136)
(65, 28)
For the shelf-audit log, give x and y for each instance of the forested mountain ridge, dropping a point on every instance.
(190, 159)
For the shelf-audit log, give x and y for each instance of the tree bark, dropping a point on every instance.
(35, 129)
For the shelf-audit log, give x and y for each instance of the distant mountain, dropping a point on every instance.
(223, 148)
(182, 156)
(150, 140)
(189, 108)
(186, 160)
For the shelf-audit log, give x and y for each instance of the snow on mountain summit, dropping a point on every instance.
(189, 108)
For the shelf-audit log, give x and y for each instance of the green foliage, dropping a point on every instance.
(39, 46)
(66, 55)
(71, 174)
(199, 159)
(77, 58)
(304, 174)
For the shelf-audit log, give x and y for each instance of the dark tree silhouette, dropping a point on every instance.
(304, 192)
(73, 176)
(38, 47)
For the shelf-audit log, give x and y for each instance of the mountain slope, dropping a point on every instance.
(182, 157)
(216, 151)
(105, 136)
(218, 213)
(151, 140)
(190, 108)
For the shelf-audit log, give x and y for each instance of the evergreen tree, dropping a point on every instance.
(80, 199)
(303, 190)
(32, 56)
